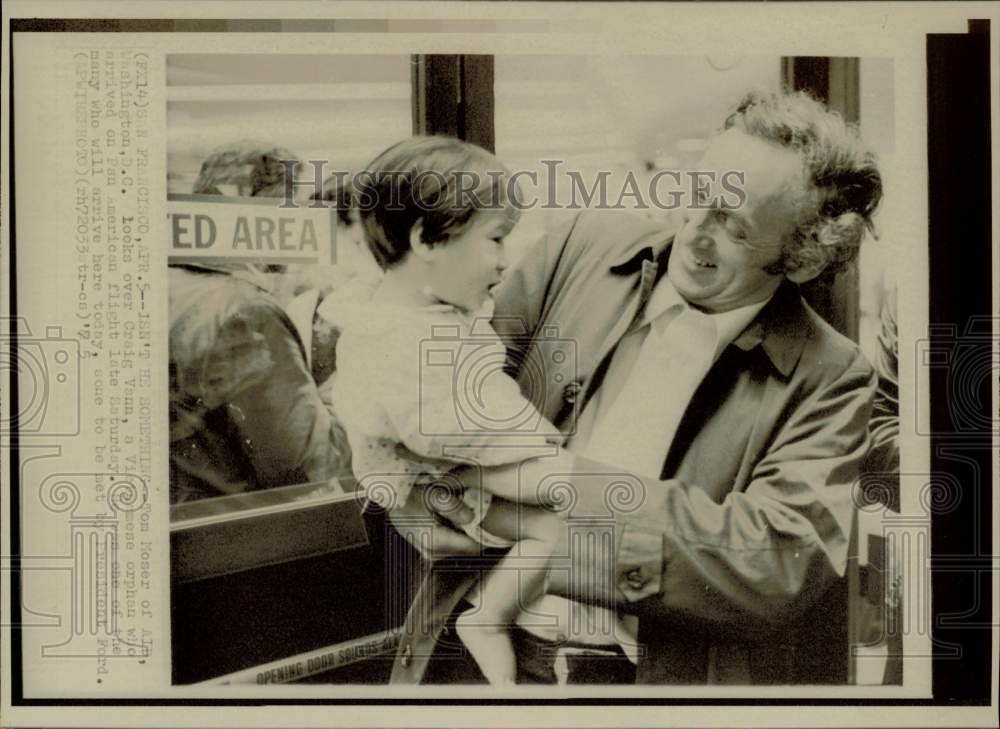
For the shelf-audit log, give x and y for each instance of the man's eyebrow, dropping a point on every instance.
(740, 217)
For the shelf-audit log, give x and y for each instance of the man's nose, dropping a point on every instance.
(698, 216)
(702, 240)
(700, 234)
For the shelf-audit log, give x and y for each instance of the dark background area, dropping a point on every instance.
(961, 319)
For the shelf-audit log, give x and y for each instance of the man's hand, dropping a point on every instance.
(428, 521)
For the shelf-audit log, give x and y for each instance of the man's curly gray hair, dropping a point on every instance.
(842, 171)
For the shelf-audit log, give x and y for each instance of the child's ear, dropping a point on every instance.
(421, 250)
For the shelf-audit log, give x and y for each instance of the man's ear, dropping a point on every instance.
(806, 272)
(421, 250)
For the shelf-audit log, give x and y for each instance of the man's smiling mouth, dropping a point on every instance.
(701, 262)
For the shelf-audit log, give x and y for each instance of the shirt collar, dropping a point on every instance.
(782, 326)
(728, 325)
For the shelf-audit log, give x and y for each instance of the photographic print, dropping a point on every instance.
(472, 363)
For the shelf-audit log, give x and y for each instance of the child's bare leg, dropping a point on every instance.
(510, 587)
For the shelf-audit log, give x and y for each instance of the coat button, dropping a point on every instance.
(635, 579)
(571, 392)
(407, 658)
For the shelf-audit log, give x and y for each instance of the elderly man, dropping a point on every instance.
(717, 427)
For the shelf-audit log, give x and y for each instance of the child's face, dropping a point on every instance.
(467, 266)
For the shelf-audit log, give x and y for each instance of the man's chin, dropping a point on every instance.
(693, 292)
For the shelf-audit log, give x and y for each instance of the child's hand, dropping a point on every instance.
(437, 465)
(427, 522)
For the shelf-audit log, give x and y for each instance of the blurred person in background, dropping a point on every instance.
(313, 310)
(884, 454)
(882, 467)
(244, 169)
(245, 413)
(252, 168)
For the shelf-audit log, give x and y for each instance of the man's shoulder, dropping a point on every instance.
(616, 234)
(221, 293)
(827, 351)
(627, 223)
(213, 310)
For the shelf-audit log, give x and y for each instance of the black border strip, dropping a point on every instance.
(16, 645)
(958, 99)
(960, 299)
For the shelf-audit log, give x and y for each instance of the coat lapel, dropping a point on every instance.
(745, 382)
(632, 312)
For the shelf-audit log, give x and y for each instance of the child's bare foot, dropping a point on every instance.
(490, 645)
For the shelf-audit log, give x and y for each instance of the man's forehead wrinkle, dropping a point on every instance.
(776, 185)
(773, 178)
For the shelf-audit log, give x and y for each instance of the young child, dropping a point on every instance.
(418, 366)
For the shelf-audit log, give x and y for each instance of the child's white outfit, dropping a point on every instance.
(431, 379)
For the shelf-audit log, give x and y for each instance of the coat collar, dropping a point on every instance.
(782, 327)
(242, 271)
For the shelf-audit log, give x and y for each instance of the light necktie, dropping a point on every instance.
(636, 430)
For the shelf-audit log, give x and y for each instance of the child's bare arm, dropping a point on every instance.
(517, 522)
(527, 482)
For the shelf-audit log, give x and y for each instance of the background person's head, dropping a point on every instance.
(441, 208)
(244, 169)
(810, 188)
(247, 169)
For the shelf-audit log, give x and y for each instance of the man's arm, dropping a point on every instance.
(756, 559)
(763, 554)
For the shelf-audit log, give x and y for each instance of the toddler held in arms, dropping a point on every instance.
(435, 212)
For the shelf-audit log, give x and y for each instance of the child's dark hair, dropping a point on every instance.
(337, 191)
(439, 182)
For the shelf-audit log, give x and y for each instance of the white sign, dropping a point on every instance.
(249, 230)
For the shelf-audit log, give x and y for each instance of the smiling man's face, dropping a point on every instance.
(723, 259)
